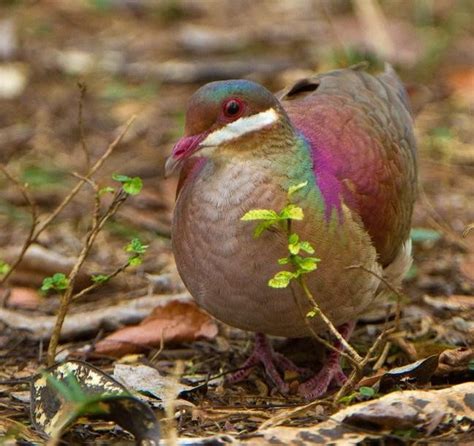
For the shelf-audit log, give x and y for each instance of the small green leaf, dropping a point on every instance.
(283, 261)
(136, 246)
(312, 313)
(348, 398)
(291, 212)
(294, 248)
(4, 268)
(132, 186)
(56, 282)
(306, 247)
(106, 190)
(293, 238)
(135, 261)
(260, 214)
(296, 188)
(120, 178)
(99, 278)
(281, 279)
(261, 227)
(368, 392)
(307, 264)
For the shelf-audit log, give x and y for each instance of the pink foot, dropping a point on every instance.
(263, 353)
(331, 372)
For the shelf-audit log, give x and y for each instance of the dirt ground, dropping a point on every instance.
(145, 58)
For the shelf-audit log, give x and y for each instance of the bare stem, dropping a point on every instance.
(34, 222)
(66, 298)
(85, 149)
(38, 227)
(333, 330)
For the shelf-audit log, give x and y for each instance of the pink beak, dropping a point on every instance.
(182, 150)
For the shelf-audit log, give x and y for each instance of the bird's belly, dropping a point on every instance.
(227, 271)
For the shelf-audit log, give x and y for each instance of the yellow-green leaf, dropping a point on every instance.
(260, 214)
(296, 188)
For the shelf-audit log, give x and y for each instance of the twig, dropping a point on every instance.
(316, 336)
(38, 227)
(97, 284)
(66, 298)
(98, 164)
(82, 94)
(334, 331)
(34, 221)
(388, 285)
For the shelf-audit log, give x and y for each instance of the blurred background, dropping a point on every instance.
(146, 57)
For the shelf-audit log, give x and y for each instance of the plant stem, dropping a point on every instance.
(333, 330)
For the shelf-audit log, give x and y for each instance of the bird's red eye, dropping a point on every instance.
(233, 108)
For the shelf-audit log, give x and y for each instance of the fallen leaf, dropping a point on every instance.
(408, 409)
(454, 360)
(73, 389)
(419, 371)
(23, 297)
(174, 322)
(455, 302)
(461, 82)
(147, 380)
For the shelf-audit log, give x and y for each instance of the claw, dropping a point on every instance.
(264, 354)
(331, 372)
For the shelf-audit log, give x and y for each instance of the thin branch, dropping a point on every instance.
(34, 221)
(66, 298)
(333, 330)
(316, 336)
(38, 227)
(85, 149)
(95, 285)
(98, 164)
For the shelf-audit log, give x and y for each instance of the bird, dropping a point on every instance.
(348, 135)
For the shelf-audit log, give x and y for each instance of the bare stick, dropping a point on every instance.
(98, 164)
(38, 227)
(66, 298)
(333, 330)
(34, 221)
(316, 336)
(82, 94)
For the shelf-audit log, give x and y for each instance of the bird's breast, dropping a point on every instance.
(227, 270)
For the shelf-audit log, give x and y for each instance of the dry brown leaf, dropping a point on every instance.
(22, 297)
(409, 409)
(455, 302)
(174, 322)
(454, 360)
(461, 82)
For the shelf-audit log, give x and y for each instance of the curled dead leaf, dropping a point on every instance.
(174, 322)
(23, 297)
(454, 360)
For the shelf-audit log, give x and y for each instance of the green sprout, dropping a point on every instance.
(131, 186)
(4, 268)
(57, 282)
(136, 250)
(296, 248)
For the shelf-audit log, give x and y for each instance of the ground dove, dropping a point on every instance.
(349, 135)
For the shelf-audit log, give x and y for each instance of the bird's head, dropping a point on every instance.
(226, 115)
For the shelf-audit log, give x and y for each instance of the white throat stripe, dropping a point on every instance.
(240, 127)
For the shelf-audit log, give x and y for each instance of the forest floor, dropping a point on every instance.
(145, 59)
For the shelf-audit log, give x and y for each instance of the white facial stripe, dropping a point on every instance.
(240, 127)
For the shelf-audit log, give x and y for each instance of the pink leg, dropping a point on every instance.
(263, 353)
(331, 371)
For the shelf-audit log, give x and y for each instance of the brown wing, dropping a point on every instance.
(360, 130)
